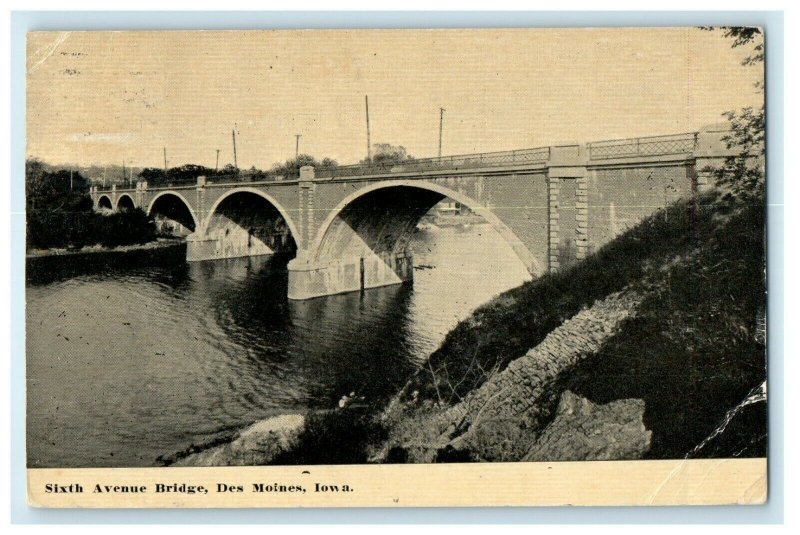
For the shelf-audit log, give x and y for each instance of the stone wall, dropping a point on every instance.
(502, 420)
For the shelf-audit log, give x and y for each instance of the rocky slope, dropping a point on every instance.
(502, 419)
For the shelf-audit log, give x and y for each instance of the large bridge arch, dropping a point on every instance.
(317, 249)
(174, 206)
(244, 221)
(125, 202)
(363, 241)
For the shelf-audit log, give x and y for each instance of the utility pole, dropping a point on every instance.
(369, 146)
(297, 146)
(441, 122)
(216, 166)
(105, 171)
(235, 161)
(123, 171)
(70, 180)
(165, 163)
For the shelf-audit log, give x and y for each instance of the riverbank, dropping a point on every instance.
(691, 349)
(46, 266)
(685, 350)
(653, 347)
(102, 249)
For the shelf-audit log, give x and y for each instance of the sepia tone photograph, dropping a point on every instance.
(521, 248)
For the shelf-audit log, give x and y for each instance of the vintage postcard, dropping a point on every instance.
(396, 267)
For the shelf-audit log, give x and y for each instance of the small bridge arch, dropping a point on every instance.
(125, 202)
(104, 203)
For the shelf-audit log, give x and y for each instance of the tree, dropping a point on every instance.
(185, 174)
(743, 175)
(228, 170)
(153, 176)
(291, 167)
(49, 190)
(388, 154)
(745, 35)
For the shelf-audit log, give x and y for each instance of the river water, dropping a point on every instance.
(134, 363)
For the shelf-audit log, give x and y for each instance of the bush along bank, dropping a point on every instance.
(76, 229)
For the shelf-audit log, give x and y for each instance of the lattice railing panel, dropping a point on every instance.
(643, 146)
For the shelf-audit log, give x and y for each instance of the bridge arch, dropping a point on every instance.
(429, 194)
(125, 202)
(174, 206)
(269, 198)
(260, 215)
(104, 202)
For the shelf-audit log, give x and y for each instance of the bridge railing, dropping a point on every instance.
(597, 150)
(643, 146)
(461, 161)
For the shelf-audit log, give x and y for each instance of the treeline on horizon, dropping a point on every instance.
(60, 214)
(382, 154)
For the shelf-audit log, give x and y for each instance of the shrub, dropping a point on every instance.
(76, 229)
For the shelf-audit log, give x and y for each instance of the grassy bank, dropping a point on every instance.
(693, 351)
(168, 254)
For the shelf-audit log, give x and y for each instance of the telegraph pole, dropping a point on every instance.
(123, 171)
(235, 162)
(165, 163)
(369, 146)
(441, 122)
(216, 166)
(70, 180)
(297, 146)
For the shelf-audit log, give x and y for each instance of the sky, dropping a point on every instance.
(108, 97)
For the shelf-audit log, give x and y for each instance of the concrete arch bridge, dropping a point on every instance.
(351, 226)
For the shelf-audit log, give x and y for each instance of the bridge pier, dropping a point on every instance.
(309, 279)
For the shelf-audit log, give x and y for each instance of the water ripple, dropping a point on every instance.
(137, 362)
